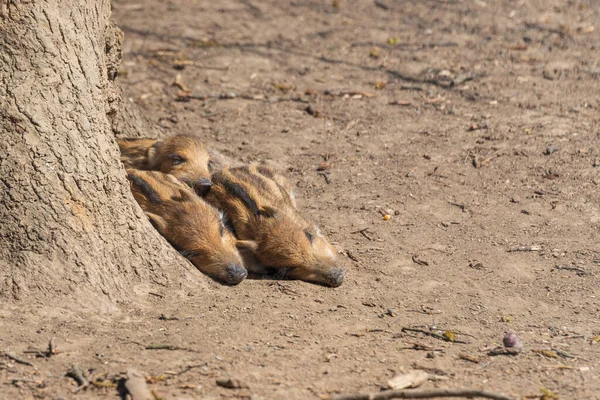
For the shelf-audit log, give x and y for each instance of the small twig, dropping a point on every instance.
(425, 394)
(382, 5)
(579, 271)
(501, 351)
(185, 369)
(434, 335)
(524, 248)
(163, 317)
(51, 348)
(16, 358)
(563, 353)
(457, 332)
(168, 347)
(37, 352)
(43, 353)
(462, 207)
(325, 175)
(469, 358)
(76, 373)
(417, 260)
(91, 375)
(351, 256)
(420, 347)
(364, 233)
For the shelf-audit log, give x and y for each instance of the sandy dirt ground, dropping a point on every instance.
(472, 124)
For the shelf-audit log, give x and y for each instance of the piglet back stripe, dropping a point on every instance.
(239, 191)
(255, 178)
(150, 193)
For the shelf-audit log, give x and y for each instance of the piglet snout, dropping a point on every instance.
(202, 187)
(335, 276)
(235, 273)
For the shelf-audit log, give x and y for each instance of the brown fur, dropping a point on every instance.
(261, 209)
(191, 225)
(184, 157)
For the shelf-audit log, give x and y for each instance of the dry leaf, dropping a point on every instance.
(179, 83)
(450, 336)
(410, 380)
(547, 394)
(136, 386)
(467, 357)
(547, 353)
(284, 87)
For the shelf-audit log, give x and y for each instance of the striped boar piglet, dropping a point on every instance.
(194, 227)
(261, 210)
(183, 156)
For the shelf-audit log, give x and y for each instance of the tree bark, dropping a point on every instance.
(69, 224)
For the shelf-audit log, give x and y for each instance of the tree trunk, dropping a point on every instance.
(70, 226)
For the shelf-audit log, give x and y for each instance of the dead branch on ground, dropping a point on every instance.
(422, 394)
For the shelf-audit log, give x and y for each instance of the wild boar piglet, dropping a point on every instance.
(194, 227)
(261, 210)
(185, 157)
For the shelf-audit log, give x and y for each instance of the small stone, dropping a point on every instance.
(324, 166)
(476, 265)
(511, 340)
(550, 149)
(230, 383)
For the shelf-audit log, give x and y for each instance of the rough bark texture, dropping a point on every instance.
(70, 226)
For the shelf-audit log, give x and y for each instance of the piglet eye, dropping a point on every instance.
(176, 160)
(309, 236)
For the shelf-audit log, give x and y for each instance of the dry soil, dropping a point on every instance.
(472, 124)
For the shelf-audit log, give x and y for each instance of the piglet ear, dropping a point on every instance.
(152, 154)
(184, 194)
(247, 249)
(269, 212)
(157, 221)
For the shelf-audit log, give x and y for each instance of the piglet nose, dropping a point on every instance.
(205, 182)
(335, 276)
(235, 273)
(202, 186)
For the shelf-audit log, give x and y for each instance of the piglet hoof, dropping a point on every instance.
(335, 277)
(234, 273)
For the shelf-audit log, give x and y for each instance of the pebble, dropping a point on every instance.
(512, 340)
